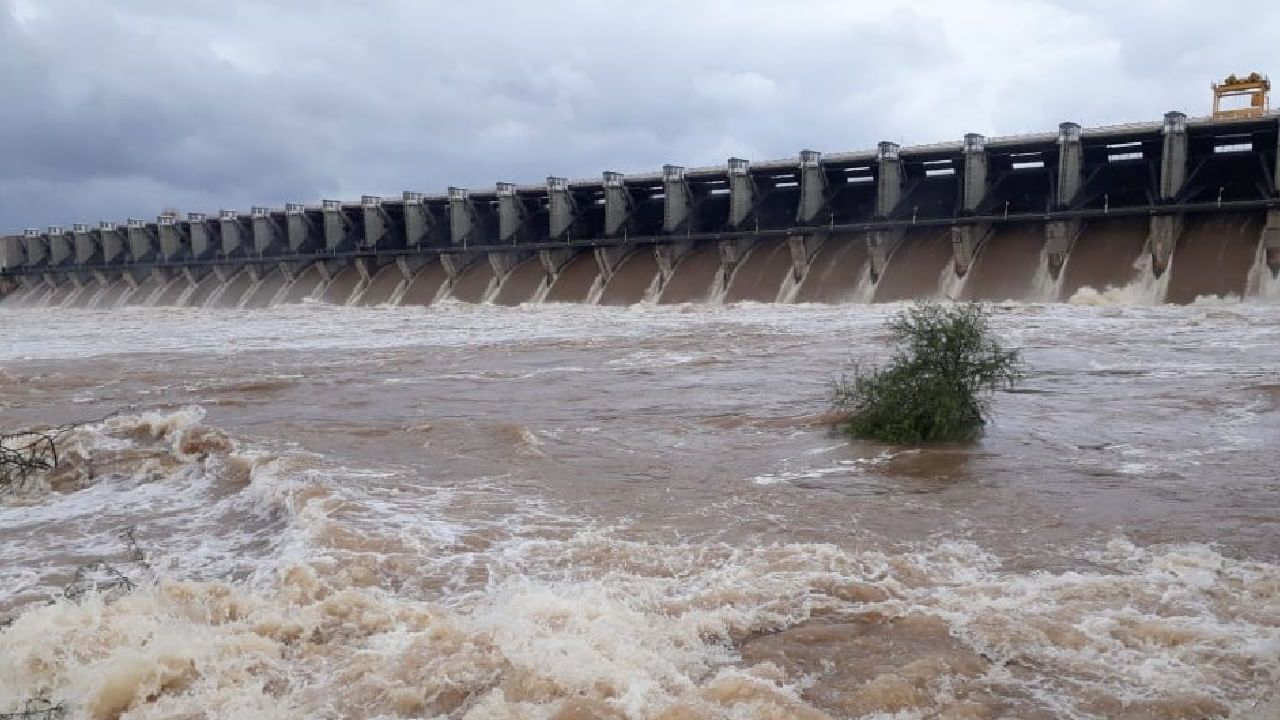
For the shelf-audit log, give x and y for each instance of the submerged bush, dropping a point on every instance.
(937, 386)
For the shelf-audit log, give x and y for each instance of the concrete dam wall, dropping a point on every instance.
(1174, 210)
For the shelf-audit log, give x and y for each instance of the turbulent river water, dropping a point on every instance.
(575, 512)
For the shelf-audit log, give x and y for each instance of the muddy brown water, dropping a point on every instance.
(111, 295)
(574, 281)
(632, 279)
(382, 286)
(1213, 256)
(304, 285)
(566, 511)
(233, 291)
(693, 278)
(759, 277)
(268, 285)
(1006, 265)
(172, 292)
(204, 290)
(836, 270)
(342, 286)
(425, 285)
(60, 296)
(1104, 255)
(521, 283)
(915, 266)
(473, 282)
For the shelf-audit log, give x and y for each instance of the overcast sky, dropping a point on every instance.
(115, 109)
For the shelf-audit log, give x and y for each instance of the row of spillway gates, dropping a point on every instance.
(1167, 173)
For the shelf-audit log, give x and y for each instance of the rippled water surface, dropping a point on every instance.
(564, 511)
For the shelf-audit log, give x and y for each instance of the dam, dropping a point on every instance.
(1190, 207)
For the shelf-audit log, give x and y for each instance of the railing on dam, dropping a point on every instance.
(1163, 169)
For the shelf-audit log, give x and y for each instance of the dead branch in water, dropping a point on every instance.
(102, 576)
(26, 453)
(23, 454)
(37, 709)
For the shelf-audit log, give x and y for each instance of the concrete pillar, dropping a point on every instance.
(617, 204)
(1070, 165)
(742, 191)
(889, 179)
(133, 277)
(194, 274)
(608, 258)
(87, 250)
(553, 259)
(374, 219)
(335, 225)
(1163, 238)
(677, 198)
(733, 251)
(111, 242)
(296, 226)
(1059, 236)
(288, 271)
(1173, 157)
(1165, 229)
(366, 269)
(889, 183)
(13, 252)
(975, 172)
(803, 248)
(813, 187)
(266, 236)
(1271, 240)
(511, 212)
(417, 221)
(880, 247)
(505, 261)
(966, 240)
(232, 235)
(36, 249)
(410, 264)
(455, 264)
(61, 249)
(669, 256)
(143, 246)
(461, 215)
(80, 281)
(562, 208)
(173, 243)
(198, 234)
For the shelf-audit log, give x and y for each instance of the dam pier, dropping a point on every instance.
(1192, 202)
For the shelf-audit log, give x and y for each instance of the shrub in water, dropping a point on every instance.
(937, 387)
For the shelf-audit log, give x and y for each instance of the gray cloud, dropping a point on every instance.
(119, 109)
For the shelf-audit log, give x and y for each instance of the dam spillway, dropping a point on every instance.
(1189, 206)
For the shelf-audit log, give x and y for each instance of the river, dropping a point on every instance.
(576, 512)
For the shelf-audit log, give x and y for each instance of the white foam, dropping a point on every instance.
(1263, 285)
(1144, 289)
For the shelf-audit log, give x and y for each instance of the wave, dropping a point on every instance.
(602, 627)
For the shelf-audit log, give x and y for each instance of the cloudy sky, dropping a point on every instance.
(115, 109)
